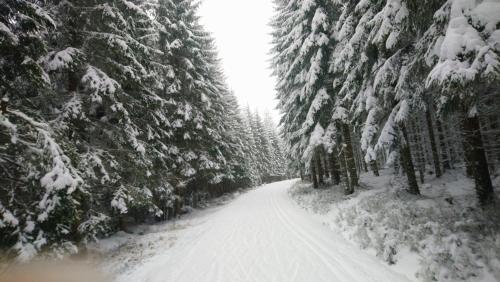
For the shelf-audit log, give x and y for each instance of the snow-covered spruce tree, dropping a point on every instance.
(262, 145)
(197, 92)
(464, 55)
(302, 47)
(149, 35)
(258, 161)
(226, 118)
(278, 160)
(284, 34)
(351, 66)
(394, 39)
(41, 189)
(417, 25)
(282, 24)
(110, 105)
(267, 126)
(369, 80)
(238, 155)
(250, 146)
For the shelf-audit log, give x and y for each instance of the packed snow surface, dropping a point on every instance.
(263, 235)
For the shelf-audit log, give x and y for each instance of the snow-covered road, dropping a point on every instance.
(260, 236)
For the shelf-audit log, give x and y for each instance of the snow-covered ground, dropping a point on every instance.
(263, 235)
(441, 235)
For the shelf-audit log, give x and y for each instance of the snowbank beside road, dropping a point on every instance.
(441, 235)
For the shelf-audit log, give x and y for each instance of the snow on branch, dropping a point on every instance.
(62, 176)
(63, 59)
(470, 45)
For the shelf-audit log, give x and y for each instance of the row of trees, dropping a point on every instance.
(111, 111)
(268, 157)
(366, 82)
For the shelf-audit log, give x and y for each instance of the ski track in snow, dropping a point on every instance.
(263, 235)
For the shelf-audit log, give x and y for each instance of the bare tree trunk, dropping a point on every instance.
(313, 173)
(477, 159)
(450, 144)
(358, 155)
(489, 143)
(362, 157)
(435, 155)
(374, 167)
(443, 145)
(324, 159)
(407, 162)
(334, 167)
(419, 153)
(384, 156)
(494, 125)
(349, 156)
(319, 167)
(469, 170)
(348, 189)
(363, 167)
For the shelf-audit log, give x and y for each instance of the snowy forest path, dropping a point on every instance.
(261, 236)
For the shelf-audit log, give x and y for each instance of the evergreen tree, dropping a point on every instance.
(278, 160)
(302, 50)
(251, 147)
(465, 66)
(41, 188)
(385, 68)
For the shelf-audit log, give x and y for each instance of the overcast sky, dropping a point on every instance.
(242, 33)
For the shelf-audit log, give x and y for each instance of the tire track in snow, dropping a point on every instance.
(342, 251)
(275, 251)
(309, 243)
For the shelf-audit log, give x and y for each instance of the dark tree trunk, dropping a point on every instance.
(365, 167)
(374, 167)
(349, 156)
(319, 167)
(359, 156)
(397, 165)
(419, 154)
(384, 156)
(348, 189)
(494, 126)
(432, 137)
(313, 174)
(443, 145)
(407, 162)
(489, 144)
(469, 170)
(362, 160)
(477, 159)
(451, 145)
(324, 159)
(334, 167)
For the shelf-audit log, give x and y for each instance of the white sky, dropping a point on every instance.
(242, 34)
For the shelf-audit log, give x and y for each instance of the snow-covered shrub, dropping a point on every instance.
(453, 237)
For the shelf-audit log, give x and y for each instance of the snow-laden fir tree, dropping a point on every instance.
(463, 52)
(302, 48)
(40, 186)
(278, 161)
